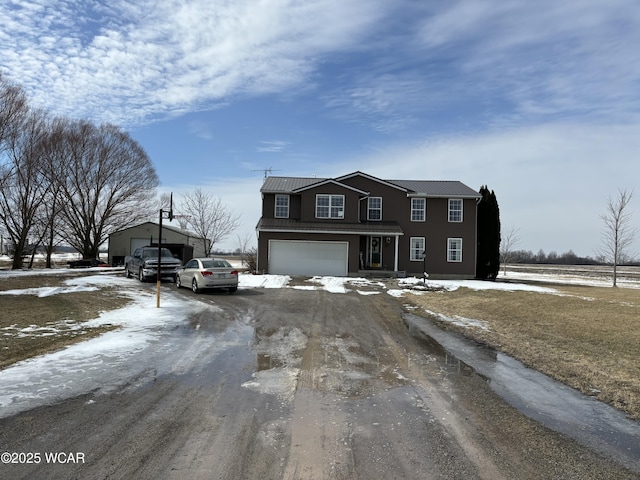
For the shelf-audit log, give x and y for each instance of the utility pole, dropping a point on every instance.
(159, 275)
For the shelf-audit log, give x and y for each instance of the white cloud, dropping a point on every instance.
(201, 130)
(546, 58)
(128, 63)
(272, 146)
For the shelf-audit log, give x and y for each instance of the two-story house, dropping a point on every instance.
(357, 222)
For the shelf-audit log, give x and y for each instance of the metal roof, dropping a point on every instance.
(437, 188)
(430, 188)
(287, 184)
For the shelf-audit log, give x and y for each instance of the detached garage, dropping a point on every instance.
(306, 257)
(182, 243)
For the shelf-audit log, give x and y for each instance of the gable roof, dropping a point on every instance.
(372, 178)
(186, 233)
(424, 188)
(332, 182)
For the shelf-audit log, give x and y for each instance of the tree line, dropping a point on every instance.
(566, 258)
(65, 180)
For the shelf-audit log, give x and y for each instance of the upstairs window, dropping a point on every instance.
(282, 206)
(418, 209)
(454, 250)
(329, 206)
(375, 208)
(455, 210)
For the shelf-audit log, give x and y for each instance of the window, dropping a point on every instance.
(375, 208)
(282, 206)
(418, 209)
(329, 206)
(454, 250)
(455, 210)
(417, 248)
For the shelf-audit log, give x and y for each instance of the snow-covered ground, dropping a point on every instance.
(102, 363)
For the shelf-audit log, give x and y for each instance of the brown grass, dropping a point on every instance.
(31, 325)
(586, 337)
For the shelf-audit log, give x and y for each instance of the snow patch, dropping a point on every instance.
(247, 280)
(281, 382)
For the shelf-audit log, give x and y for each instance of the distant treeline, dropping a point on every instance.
(567, 258)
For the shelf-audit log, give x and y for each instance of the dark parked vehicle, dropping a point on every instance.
(144, 263)
(87, 263)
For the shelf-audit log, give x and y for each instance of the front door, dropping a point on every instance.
(375, 252)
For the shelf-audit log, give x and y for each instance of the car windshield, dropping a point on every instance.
(153, 253)
(215, 264)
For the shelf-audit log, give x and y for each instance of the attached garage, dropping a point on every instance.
(298, 257)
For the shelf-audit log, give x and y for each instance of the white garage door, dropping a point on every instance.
(290, 257)
(137, 243)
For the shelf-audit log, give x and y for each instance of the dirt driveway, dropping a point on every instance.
(294, 384)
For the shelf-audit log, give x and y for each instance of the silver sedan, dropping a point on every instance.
(204, 273)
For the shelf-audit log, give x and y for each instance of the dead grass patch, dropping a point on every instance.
(586, 337)
(31, 325)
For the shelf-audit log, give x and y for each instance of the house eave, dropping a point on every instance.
(426, 195)
(332, 232)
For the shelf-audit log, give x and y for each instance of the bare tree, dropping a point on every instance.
(13, 110)
(618, 233)
(24, 188)
(106, 181)
(509, 239)
(51, 221)
(248, 252)
(208, 217)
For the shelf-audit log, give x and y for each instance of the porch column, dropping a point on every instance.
(395, 259)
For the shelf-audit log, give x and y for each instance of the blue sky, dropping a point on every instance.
(538, 100)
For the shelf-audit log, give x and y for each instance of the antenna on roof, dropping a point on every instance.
(266, 171)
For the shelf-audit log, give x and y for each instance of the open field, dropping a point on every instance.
(583, 335)
(600, 275)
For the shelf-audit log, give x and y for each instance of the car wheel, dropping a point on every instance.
(127, 273)
(178, 284)
(141, 276)
(194, 286)
(233, 289)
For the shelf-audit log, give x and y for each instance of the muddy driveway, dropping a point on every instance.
(294, 384)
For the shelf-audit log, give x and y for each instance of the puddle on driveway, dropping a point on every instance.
(555, 405)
